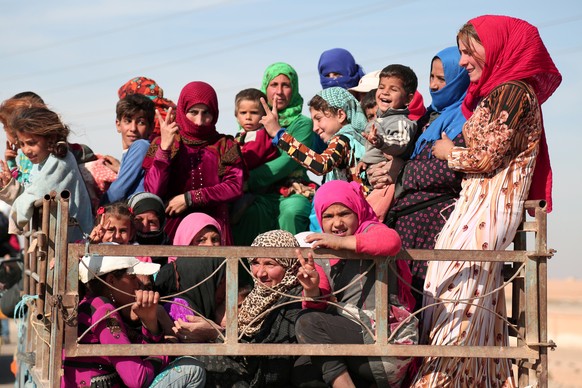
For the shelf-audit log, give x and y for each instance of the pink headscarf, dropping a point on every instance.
(197, 92)
(514, 51)
(351, 196)
(189, 228)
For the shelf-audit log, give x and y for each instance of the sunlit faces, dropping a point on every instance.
(268, 271)
(147, 221)
(472, 58)
(371, 113)
(126, 284)
(207, 237)
(437, 75)
(391, 94)
(248, 114)
(118, 230)
(199, 114)
(133, 128)
(339, 220)
(327, 124)
(35, 147)
(279, 90)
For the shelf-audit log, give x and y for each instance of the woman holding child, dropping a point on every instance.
(511, 75)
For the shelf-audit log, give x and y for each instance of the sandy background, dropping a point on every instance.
(564, 328)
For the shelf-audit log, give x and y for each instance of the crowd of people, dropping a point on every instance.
(395, 174)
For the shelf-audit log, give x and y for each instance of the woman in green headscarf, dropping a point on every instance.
(271, 209)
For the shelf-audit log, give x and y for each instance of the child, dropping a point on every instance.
(135, 121)
(114, 224)
(197, 169)
(42, 137)
(348, 223)
(369, 105)
(391, 135)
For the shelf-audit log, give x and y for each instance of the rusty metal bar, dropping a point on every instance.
(382, 302)
(542, 276)
(231, 300)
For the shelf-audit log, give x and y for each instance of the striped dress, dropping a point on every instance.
(502, 140)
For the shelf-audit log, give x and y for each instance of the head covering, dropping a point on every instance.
(341, 61)
(367, 82)
(446, 101)
(261, 298)
(93, 266)
(416, 108)
(149, 88)
(342, 99)
(514, 51)
(293, 110)
(144, 202)
(189, 228)
(197, 92)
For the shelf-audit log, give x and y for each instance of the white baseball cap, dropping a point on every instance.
(368, 82)
(92, 266)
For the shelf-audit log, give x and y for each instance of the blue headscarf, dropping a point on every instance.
(446, 101)
(339, 61)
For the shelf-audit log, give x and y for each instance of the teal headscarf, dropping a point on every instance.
(293, 110)
(340, 98)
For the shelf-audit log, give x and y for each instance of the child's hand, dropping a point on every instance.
(330, 241)
(11, 151)
(99, 230)
(168, 129)
(5, 174)
(442, 148)
(146, 309)
(112, 163)
(271, 119)
(307, 275)
(176, 205)
(361, 166)
(373, 137)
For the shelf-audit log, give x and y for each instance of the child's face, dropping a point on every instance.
(339, 220)
(391, 94)
(133, 128)
(371, 113)
(279, 90)
(33, 146)
(207, 237)
(199, 114)
(248, 114)
(118, 230)
(326, 124)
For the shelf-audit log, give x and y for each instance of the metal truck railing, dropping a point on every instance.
(51, 274)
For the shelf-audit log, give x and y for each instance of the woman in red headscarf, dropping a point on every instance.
(191, 166)
(511, 75)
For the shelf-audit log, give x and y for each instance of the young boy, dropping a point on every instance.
(392, 132)
(369, 106)
(135, 121)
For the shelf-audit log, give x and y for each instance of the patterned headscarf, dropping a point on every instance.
(339, 61)
(446, 101)
(189, 228)
(293, 110)
(197, 92)
(514, 51)
(262, 298)
(149, 88)
(340, 98)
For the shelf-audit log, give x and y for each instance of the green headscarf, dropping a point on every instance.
(293, 110)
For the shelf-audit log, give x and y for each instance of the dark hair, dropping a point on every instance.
(98, 287)
(133, 104)
(116, 209)
(10, 108)
(403, 73)
(369, 100)
(319, 103)
(41, 121)
(28, 94)
(250, 94)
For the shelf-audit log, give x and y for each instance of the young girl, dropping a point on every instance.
(181, 274)
(197, 168)
(114, 224)
(349, 223)
(42, 137)
(339, 122)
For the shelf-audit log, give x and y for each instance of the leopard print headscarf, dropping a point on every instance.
(261, 297)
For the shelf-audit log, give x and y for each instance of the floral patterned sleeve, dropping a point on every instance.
(336, 153)
(491, 131)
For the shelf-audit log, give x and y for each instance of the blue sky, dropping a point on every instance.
(76, 55)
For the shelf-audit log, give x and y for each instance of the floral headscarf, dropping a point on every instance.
(293, 110)
(262, 298)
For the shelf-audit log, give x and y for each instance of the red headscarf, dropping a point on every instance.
(514, 51)
(197, 92)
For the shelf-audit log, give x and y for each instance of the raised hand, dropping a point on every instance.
(168, 129)
(176, 205)
(99, 230)
(271, 119)
(11, 151)
(373, 137)
(307, 275)
(5, 174)
(146, 309)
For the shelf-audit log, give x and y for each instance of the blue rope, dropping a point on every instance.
(20, 313)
